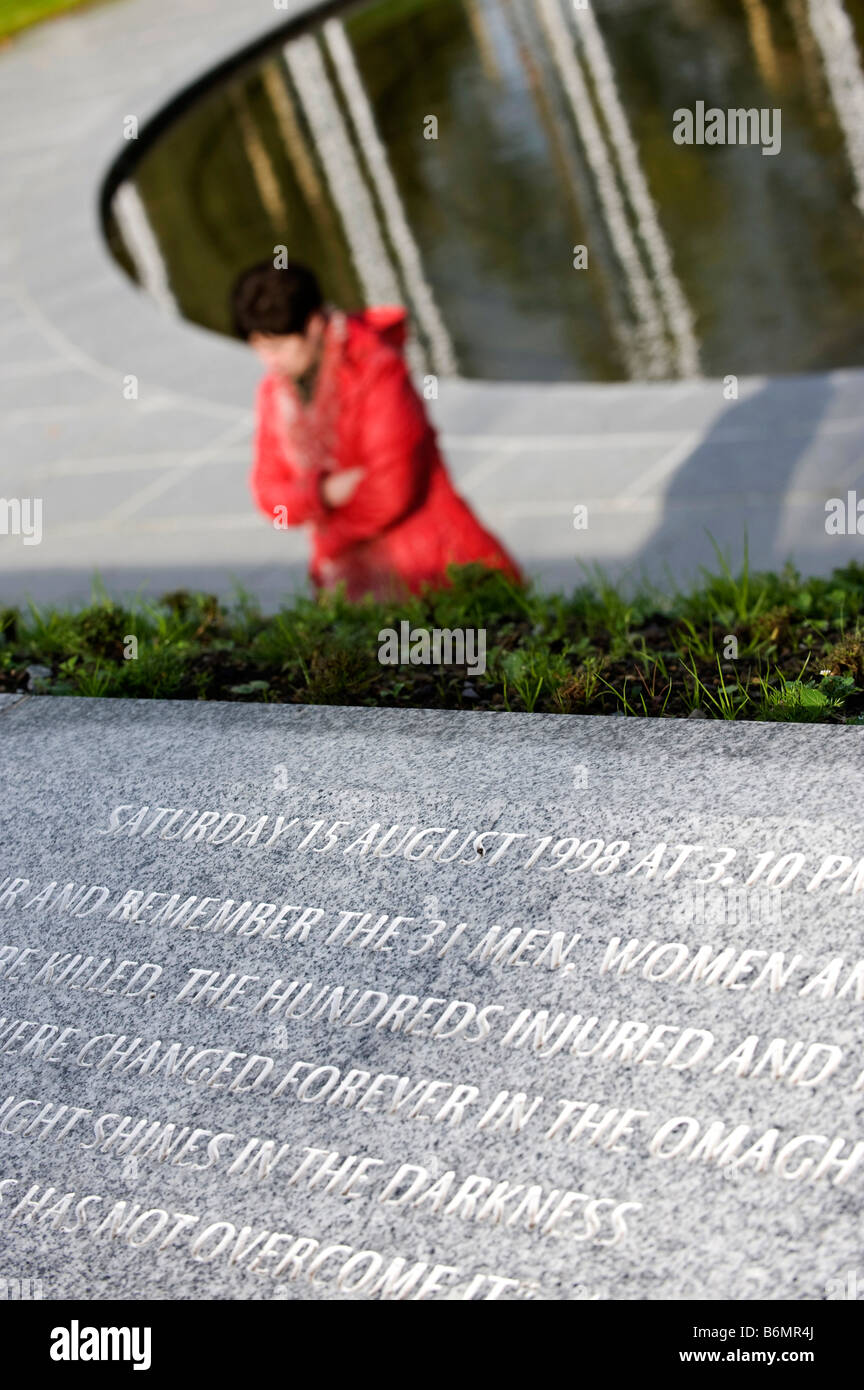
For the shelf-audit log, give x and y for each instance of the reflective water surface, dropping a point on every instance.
(454, 154)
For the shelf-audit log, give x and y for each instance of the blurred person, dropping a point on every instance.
(344, 445)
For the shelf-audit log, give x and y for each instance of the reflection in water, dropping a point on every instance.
(671, 294)
(143, 246)
(259, 160)
(575, 179)
(762, 39)
(834, 34)
(649, 334)
(344, 175)
(404, 245)
(312, 187)
(452, 154)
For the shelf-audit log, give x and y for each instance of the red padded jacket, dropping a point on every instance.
(405, 522)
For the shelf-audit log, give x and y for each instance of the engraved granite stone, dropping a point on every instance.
(313, 1003)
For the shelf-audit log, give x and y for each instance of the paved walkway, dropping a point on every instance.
(152, 492)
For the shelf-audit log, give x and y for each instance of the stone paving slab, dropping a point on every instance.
(675, 1214)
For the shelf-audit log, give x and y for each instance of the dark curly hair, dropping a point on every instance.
(270, 300)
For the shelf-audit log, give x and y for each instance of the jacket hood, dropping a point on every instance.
(389, 322)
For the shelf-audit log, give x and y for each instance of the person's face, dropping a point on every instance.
(290, 354)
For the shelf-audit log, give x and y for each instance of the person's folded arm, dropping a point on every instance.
(392, 446)
(284, 493)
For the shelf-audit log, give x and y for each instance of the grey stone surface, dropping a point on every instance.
(8, 700)
(702, 1230)
(153, 493)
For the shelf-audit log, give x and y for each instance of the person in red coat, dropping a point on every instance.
(344, 446)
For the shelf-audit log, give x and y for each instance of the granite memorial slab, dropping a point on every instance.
(314, 1003)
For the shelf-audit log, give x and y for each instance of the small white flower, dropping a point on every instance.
(824, 673)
